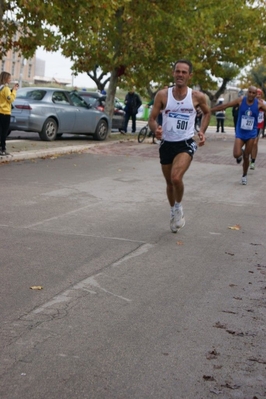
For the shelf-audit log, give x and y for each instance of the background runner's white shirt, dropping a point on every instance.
(261, 117)
(178, 117)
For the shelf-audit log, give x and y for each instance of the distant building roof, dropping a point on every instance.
(45, 79)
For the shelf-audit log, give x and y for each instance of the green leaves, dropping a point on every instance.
(145, 37)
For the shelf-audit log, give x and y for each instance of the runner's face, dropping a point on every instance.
(181, 74)
(259, 94)
(252, 93)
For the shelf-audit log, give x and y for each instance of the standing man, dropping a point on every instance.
(260, 127)
(133, 102)
(246, 128)
(178, 105)
(220, 117)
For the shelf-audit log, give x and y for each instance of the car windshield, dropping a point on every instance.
(35, 94)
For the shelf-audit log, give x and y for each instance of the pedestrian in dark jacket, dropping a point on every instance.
(235, 110)
(220, 117)
(132, 104)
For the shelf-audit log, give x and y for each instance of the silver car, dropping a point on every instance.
(52, 112)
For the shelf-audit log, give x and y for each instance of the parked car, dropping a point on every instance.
(97, 100)
(52, 112)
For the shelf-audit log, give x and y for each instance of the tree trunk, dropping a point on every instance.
(214, 97)
(110, 98)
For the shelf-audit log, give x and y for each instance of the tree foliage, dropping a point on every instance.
(256, 74)
(136, 42)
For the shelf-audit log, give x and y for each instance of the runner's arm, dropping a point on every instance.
(206, 112)
(156, 109)
(232, 103)
(262, 105)
(206, 116)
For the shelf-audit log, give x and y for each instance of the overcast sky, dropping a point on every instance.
(59, 67)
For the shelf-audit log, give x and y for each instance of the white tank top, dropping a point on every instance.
(178, 117)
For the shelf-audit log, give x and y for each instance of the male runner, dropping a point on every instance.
(178, 105)
(246, 128)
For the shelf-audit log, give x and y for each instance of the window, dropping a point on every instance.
(59, 97)
(32, 94)
(29, 71)
(13, 68)
(77, 100)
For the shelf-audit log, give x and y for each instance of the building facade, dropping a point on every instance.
(21, 70)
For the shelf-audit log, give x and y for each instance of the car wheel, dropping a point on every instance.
(101, 131)
(49, 130)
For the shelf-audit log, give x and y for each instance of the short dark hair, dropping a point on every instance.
(183, 61)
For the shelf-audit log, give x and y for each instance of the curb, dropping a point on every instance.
(23, 155)
(57, 151)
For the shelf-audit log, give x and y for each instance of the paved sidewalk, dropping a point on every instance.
(24, 148)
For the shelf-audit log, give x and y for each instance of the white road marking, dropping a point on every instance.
(85, 284)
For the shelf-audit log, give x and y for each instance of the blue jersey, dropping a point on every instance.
(247, 121)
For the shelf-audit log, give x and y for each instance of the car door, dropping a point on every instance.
(65, 112)
(85, 119)
(118, 116)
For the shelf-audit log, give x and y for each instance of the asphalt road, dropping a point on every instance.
(127, 309)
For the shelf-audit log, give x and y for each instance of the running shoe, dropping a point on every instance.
(252, 165)
(173, 224)
(244, 180)
(179, 218)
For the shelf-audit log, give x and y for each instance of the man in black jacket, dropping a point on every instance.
(133, 102)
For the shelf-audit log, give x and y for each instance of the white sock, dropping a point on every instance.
(177, 205)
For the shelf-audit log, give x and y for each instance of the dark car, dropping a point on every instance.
(52, 112)
(97, 100)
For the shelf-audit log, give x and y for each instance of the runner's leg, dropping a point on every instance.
(237, 150)
(180, 165)
(246, 155)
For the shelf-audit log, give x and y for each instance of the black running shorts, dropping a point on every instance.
(169, 150)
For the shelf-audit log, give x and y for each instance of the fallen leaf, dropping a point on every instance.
(231, 386)
(238, 334)
(228, 311)
(212, 354)
(217, 391)
(208, 378)
(36, 287)
(253, 359)
(228, 253)
(180, 243)
(219, 325)
(235, 227)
